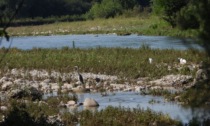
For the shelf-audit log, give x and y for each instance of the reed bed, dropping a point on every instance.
(123, 62)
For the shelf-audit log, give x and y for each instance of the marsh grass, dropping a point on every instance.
(30, 113)
(119, 116)
(168, 95)
(128, 63)
(148, 25)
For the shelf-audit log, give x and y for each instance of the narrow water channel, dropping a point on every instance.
(102, 40)
(135, 100)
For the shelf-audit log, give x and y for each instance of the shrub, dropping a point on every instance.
(19, 116)
(105, 9)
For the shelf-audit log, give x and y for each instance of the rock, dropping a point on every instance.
(15, 93)
(55, 120)
(139, 88)
(71, 103)
(47, 81)
(89, 102)
(6, 86)
(79, 89)
(128, 89)
(61, 104)
(177, 98)
(67, 86)
(19, 81)
(54, 86)
(3, 108)
(171, 80)
(3, 79)
(156, 88)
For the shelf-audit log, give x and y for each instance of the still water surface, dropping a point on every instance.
(101, 40)
(135, 100)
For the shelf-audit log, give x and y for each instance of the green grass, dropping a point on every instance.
(143, 25)
(119, 116)
(129, 63)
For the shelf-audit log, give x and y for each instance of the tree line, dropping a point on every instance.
(58, 8)
(184, 14)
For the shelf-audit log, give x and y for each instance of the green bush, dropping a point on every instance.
(105, 9)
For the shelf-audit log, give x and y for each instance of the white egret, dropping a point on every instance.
(182, 61)
(150, 60)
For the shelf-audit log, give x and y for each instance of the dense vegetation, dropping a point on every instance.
(186, 14)
(68, 8)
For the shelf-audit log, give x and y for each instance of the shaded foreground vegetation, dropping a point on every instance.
(24, 114)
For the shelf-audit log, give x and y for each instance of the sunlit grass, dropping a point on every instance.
(148, 25)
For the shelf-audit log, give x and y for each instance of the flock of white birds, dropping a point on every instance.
(181, 60)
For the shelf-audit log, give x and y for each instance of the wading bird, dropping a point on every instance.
(182, 61)
(79, 75)
(150, 60)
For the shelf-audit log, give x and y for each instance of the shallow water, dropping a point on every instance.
(101, 40)
(135, 100)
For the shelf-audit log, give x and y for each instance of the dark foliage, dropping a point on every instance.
(18, 116)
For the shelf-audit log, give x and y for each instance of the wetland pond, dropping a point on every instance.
(123, 99)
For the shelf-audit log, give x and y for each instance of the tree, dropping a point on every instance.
(204, 18)
(128, 4)
(105, 9)
(169, 9)
(7, 16)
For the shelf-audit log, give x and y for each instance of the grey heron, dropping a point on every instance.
(79, 75)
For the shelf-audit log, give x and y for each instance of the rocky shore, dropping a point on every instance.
(35, 83)
(19, 83)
